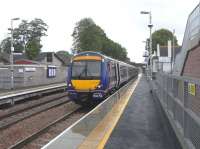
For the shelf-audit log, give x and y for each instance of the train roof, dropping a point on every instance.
(92, 53)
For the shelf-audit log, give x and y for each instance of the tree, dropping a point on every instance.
(87, 36)
(33, 49)
(5, 45)
(161, 37)
(24, 35)
(64, 53)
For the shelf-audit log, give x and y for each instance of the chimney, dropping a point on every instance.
(158, 50)
(169, 48)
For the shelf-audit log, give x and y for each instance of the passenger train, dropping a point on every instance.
(94, 75)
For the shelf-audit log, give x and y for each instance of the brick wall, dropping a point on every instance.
(192, 64)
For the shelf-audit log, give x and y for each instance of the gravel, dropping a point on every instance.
(24, 128)
(54, 131)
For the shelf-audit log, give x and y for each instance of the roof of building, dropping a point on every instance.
(65, 59)
(26, 61)
(42, 56)
(4, 57)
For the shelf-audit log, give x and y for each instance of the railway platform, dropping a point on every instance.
(134, 121)
(19, 90)
(9, 96)
(142, 125)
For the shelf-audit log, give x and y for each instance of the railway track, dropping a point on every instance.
(22, 125)
(44, 130)
(15, 116)
(6, 112)
(45, 119)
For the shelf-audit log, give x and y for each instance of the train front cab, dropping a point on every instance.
(87, 78)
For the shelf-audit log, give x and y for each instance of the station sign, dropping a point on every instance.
(192, 89)
(30, 69)
(20, 70)
(51, 71)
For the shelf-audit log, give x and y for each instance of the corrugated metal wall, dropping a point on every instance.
(30, 75)
(191, 39)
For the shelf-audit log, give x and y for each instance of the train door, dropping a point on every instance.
(109, 74)
(116, 75)
(127, 74)
(112, 75)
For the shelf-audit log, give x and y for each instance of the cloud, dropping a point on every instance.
(120, 19)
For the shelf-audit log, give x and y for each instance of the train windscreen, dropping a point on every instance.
(86, 70)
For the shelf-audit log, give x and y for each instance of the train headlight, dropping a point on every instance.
(99, 86)
(69, 84)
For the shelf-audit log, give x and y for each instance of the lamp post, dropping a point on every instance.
(173, 49)
(11, 53)
(150, 25)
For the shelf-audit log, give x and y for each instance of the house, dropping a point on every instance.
(164, 51)
(166, 57)
(50, 58)
(66, 58)
(44, 58)
(26, 62)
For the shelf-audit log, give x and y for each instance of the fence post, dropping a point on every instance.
(183, 107)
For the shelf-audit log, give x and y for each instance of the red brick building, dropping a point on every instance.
(192, 63)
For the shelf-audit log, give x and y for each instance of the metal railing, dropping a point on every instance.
(180, 99)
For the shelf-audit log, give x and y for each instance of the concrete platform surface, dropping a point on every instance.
(141, 125)
(28, 89)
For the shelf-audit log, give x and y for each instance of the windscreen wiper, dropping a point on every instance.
(84, 71)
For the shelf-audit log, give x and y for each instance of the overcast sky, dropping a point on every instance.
(120, 19)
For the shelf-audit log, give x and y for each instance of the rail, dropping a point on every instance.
(180, 99)
(33, 136)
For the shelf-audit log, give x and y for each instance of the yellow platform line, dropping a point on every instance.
(100, 135)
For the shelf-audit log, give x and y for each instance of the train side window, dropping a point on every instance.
(123, 72)
(113, 70)
(108, 67)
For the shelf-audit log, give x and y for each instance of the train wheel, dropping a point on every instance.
(78, 102)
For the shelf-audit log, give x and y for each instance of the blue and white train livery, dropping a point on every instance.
(94, 75)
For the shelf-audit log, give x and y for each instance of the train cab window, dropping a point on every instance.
(93, 68)
(78, 69)
(86, 70)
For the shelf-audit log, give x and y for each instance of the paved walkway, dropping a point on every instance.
(141, 125)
